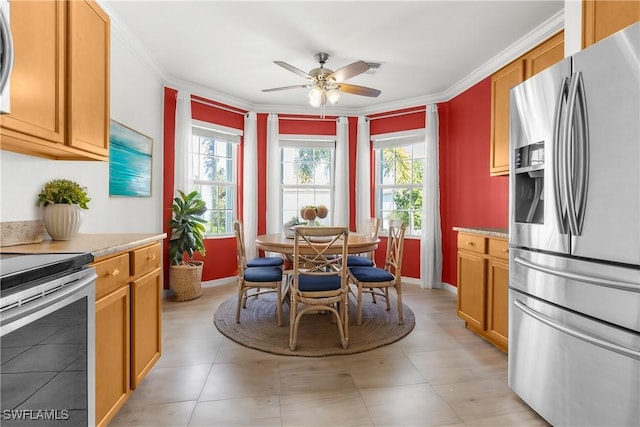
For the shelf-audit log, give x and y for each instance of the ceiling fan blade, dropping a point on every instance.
(358, 90)
(292, 69)
(349, 71)
(274, 89)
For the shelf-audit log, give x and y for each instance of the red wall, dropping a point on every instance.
(469, 196)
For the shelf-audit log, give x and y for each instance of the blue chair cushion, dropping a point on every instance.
(371, 274)
(308, 283)
(263, 274)
(270, 261)
(358, 261)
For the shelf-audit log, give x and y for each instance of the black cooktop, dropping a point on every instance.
(18, 269)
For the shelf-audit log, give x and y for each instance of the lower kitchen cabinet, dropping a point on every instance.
(128, 324)
(483, 280)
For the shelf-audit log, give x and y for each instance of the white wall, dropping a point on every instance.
(136, 101)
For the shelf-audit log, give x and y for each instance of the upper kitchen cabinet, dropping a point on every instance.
(60, 81)
(537, 59)
(602, 18)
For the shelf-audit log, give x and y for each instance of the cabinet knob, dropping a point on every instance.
(115, 272)
(151, 257)
(470, 243)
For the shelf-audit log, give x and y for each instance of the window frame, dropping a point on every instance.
(233, 138)
(307, 141)
(392, 140)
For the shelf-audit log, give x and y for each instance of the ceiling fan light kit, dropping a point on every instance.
(327, 84)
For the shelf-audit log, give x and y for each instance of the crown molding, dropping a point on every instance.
(545, 30)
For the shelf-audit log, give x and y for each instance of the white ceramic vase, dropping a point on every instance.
(62, 221)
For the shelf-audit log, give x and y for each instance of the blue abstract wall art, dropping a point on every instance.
(130, 160)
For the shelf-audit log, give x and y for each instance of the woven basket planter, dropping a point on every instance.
(185, 280)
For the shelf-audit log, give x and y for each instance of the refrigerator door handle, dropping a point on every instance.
(558, 172)
(576, 333)
(610, 283)
(576, 154)
(6, 51)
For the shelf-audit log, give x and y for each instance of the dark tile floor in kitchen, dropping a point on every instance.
(441, 374)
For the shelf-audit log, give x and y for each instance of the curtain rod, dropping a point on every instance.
(309, 119)
(211, 104)
(386, 116)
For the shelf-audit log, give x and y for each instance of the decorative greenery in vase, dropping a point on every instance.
(187, 228)
(63, 201)
(63, 191)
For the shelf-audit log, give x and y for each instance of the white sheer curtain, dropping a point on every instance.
(273, 175)
(182, 167)
(341, 193)
(431, 239)
(250, 184)
(363, 177)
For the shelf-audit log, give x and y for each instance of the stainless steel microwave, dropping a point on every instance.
(6, 55)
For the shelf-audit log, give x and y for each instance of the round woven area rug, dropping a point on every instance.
(317, 333)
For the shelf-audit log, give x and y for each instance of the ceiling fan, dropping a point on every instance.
(326, 83)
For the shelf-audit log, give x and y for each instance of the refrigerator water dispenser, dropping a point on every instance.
(529, 175)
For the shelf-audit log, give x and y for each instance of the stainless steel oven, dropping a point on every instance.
(47, 340)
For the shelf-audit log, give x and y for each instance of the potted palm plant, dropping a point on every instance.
(63, 201)
(187, 237)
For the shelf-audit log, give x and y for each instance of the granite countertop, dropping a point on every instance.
(99, 245)
(502, 233)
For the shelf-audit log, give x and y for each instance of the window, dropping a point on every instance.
(400, 160)
(214, 166)
(307, 172)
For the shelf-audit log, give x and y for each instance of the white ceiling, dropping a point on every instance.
(429, 50)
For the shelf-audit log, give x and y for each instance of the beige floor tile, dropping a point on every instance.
(411, 405)
(384, 371)
(160, 415)
(164, 385)
(251, 411)
(324, 409)
(242, 379)
(440, 374)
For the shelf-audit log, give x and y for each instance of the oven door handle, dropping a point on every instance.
(33, 307)
(6, 51)
(607, 345)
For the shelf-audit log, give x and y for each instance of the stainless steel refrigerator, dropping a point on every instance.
(574, 234)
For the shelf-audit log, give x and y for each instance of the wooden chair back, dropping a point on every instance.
(395, 248)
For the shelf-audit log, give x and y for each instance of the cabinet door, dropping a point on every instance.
(146, 334)
(472, 289)
(545, 55)
(498, 305)
(112, 353)
(88, 78)
(501, 83)
(38, 77)
(601, 18)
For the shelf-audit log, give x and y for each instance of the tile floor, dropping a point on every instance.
(441, 374)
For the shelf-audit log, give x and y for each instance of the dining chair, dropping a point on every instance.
(262, 278)
(267, 261)
(376, 280)
(367, 259)
(319, 278)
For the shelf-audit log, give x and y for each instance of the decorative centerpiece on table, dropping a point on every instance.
(63, 201)
(310, 213)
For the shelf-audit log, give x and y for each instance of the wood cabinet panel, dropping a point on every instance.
(37, 80)
(537, 59)
(483, 284)
(146, 333)
(88, 106)
(498, 303)
(601, 18)
(112, 353)
(60, 82)
(472, 289)
(112, 273)
(145, 259)
(501, 84)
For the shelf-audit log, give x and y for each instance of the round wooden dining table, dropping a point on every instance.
(278, 242)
